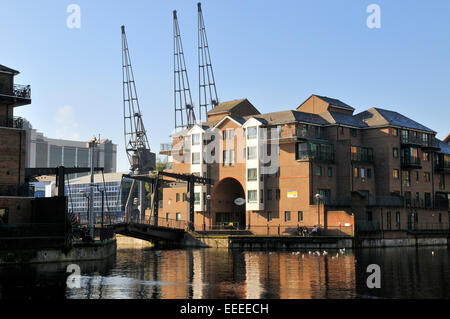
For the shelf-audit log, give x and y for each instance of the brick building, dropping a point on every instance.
(13, 205)
(320, 164)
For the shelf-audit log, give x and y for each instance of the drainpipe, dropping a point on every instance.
(20, 161)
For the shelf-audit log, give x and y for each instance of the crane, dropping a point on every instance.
(141, 159)
(207, 86)
(184, 110)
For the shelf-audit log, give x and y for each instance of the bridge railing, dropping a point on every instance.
(166, 222)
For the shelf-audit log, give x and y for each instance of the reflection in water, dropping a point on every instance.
(220, 273)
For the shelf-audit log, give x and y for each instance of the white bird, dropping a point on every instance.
(309, 252)
(303, 256)
(432, 253)
(325, 252)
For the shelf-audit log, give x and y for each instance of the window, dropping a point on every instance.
(342, 130)
(440, 218)
(231, 134)
(178, 216)
(277, 194)
(251, 152)
(167, 216)
(408, 199)
(195, 139)
(369, 216)
(279, 130)
(252, 174)
(425, 139)
(395, 152)
(252, 196)
(269, 194)
(427, 200)
(388, 220)
(269, 216)
(251, 133)
(330, 171)
(224, 135)
(231, 158)
(363, 172)
(427, 176)
(196, 158)
(353, 132)
(406, 178)
(319, 170)
(369, 173)
(442, 181)
(225, 158)
(426, 156)
(184, 197)
(300, 216)
(287, 216)
(397, 219)
(196, 198)
(325, 196)
(177, 197)
(3, 215)
(261, 196)
(356, 172)
(395, 131)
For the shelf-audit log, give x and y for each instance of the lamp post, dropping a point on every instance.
(208, 203)
(318, 208)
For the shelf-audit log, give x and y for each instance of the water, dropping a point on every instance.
(220, 273)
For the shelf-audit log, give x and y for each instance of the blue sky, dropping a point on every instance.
(275, 53)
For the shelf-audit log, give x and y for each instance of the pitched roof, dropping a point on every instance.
(341, 118)
(334, 102)
(226, 106)
(447, 139)
(289, 116)
(378, 117)
(445, 148)
(9, 70)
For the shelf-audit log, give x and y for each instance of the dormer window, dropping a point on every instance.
(195, 139)
(251, 133)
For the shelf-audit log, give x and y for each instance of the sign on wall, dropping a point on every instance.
(292, 194)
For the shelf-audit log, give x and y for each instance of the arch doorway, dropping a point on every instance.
(224, 208)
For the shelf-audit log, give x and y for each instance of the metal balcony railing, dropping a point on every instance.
(12, 122)
(390, 201)
(311, 134)
(316, 155)
(441, 203)
(410, 161)
(411, 140)
(165, 147)
(23, 190)
(22, 91)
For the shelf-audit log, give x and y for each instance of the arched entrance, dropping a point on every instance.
(224, 208)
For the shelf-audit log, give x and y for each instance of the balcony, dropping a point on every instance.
(23, 190)
(12, 122)
(325, 156)
(443, 163)
(410, 162)
(385, 201)
(361, 154)
(19, 95)
(409, 140)
(318, 134)
(165, 149)
(426, 142)
(441, 203)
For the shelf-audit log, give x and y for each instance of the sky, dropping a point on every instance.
(275, 53)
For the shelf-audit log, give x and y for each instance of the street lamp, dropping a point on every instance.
(318, 208)
(208, 203)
